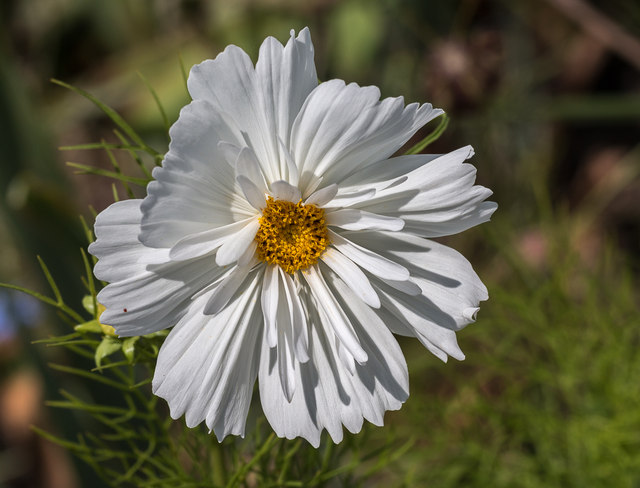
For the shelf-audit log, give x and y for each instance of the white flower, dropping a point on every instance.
(286, 245)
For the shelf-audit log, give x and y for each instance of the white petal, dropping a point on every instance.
(327, 394)
(285, 325)
(156, 298)
(424, 318)
(249, 258)
(297, 317)
(269, 299)
(351, 274)
(386, 173)
(226, 288)
(386, 361)
(327, 114)
(291, 172)
(202, 243)
(408, 287)
(450, 288)
(340, 324)
(207, 366)
(247, 165)
(437, 198)
(470, 313)
(252, 193)
(403, 328)
(198, 135)
(147, 292)
(342, 127)
(229, 151)
(235, 246)
(374, 263)
(229, 84)
(284, 191)
(354, 219)
(312, 186)
(285, 76)
(120, 254)
(346, 199)
(323, 196)
(285, 350)
(194, 190)
(345, 357)
(447, 222)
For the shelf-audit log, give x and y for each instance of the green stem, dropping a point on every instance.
(242, 472)
(218, 466)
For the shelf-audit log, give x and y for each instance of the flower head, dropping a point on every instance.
(291, 235)
(284, 243)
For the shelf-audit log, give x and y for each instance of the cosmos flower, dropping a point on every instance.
(284, 243)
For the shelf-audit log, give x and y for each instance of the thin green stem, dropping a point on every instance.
(431, 138)
(242, 472)
(219, 473)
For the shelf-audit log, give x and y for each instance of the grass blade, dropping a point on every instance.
(109, 112)
(91, 170)
(155, 96)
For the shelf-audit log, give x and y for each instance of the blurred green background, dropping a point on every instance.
(548, 93)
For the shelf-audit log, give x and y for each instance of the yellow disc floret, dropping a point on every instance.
(291, 235)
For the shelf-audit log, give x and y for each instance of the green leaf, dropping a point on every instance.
(185, 76)
(108, 346)
(128, 348)
(89, 304)
(50, 280)
(91, 285)
(72, 446)
(114, 190)
(100, 145)
(90, 170)
(157, 157)
(158, 333)
(91, 326)
(56, 339)
(87, 232)
(34, 294)
(116, 167)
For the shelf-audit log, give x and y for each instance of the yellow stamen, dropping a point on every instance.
(291, 235)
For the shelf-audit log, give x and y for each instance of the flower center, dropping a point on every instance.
(291, 235)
